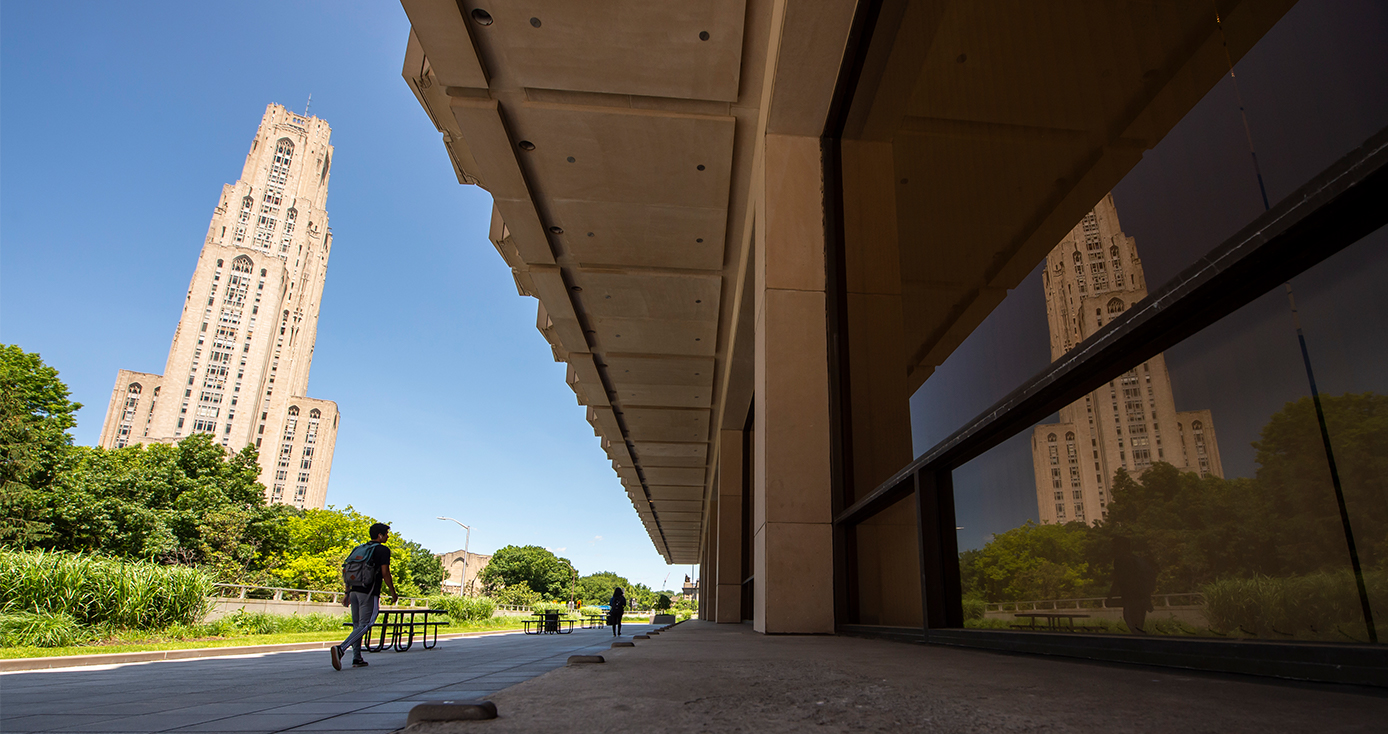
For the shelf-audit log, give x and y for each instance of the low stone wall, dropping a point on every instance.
(223, 607)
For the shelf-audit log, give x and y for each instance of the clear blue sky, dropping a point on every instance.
(119, 123)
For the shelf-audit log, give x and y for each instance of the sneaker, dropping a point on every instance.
(336, 656)
(359, 663)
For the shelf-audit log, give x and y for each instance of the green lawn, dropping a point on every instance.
(133, 642)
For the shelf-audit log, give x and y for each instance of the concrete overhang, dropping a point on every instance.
(622, 148)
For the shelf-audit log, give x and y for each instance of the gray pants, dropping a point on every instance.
(364, 610)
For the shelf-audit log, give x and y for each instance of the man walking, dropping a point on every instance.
(364, 571)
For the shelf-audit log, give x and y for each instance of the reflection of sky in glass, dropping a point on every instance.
(1313, 89)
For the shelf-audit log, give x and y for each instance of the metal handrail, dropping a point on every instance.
(1090, 602)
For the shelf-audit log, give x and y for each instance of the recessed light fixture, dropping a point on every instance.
(576, 288)
(555, 229)
(590, 234)
(703, 35)
(701, 166)
(619, 336)
(697, 339)
(698, 300)
(700, 239)
(481, 17)
(571, 159)
(535, 22)
(526, 145)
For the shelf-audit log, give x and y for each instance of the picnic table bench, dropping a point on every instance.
(547, 623)
(400, 633)
(594, 619)
(1053, 619)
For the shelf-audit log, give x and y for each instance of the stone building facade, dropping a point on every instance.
(1091, 277)
(238, 367)
(460, 577)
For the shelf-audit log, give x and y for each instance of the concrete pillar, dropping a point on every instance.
(708, 563)
(727, 546)
(793, 587)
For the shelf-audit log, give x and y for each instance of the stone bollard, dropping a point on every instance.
(582, 659)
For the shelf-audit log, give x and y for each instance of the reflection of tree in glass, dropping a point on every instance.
(1196, 531)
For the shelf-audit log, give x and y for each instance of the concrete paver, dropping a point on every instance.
(701, 677)
(283, 691)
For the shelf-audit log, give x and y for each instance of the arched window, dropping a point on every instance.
(294, 410)
(242, 264)
(1050, 438)
(1070, 436)
(1113, 252)
(1115, 305)
(219, 263)
(1077, 257)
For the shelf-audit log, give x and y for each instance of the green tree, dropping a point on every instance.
(597, 588)
(530, 566)
(1033, 562)
(35, 416)
(425, 569)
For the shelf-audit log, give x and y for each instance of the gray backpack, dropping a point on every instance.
(357, 569)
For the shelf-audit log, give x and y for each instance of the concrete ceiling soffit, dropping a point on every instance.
(500, 174)
(445, 37)
(583, 378)
(675, 476)
(556, 312)
(666, 424)
(671, 161)
(651, 313)
(903, 35)
(656, 49)
(812, 41)
(604, 422)
(617, 451)
(685, 494)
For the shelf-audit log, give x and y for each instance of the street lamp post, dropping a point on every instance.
(466, 541)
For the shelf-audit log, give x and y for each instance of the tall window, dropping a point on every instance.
(243, 219)
(289, 219)
(1115, 306)
(223, 347)
(127, 419)
(274, 194)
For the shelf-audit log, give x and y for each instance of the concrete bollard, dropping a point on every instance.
(581, 659)
(622, 643)
(452, 711)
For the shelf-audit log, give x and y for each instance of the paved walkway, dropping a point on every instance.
(701, 677)
(288, 691)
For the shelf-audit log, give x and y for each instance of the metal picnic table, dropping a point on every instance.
(547, 623)
(400, 633)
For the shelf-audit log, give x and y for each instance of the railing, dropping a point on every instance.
(275, 593)
(1159, 601)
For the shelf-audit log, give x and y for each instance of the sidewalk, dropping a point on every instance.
(702, 677)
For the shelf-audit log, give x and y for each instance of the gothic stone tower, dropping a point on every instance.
(238, 366)
(1093, 275)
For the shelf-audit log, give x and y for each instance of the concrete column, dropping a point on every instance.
(878, 397)
(708, 563)
(727, 545)
(793, 587)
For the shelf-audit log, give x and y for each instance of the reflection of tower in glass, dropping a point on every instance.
(1093, 275)
(238, 367)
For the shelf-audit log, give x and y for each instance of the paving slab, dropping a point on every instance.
(703, 677)
(277, 690)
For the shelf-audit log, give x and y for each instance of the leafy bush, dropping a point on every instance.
(974, 608)
(265, 623)
(1315, 605)
(101, 591)
(464, 608)
(518, 595)
(45, 629)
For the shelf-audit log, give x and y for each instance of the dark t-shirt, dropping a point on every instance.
(380, 556)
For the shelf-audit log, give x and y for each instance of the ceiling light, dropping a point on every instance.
(481, 17)
(526, 145)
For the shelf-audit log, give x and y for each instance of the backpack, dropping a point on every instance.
(357, 569)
